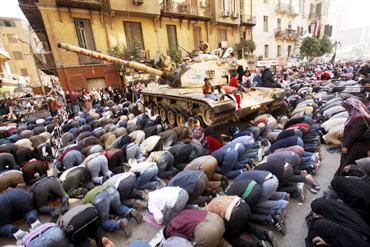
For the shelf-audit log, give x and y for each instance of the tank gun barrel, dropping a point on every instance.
(111, 59)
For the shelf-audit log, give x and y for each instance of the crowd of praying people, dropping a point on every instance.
(195, 185)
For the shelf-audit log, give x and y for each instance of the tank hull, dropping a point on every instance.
(179, 105)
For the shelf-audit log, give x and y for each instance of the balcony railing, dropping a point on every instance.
(314, 16)
(280, 33)
(184, 9)
(282, 8)
(287, 34)
(82, 4)
(248, 20)
(292, 34)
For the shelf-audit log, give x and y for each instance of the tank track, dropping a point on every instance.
(188, 108)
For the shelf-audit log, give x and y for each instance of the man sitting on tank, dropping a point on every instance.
(208, 89)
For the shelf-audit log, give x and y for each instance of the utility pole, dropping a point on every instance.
(336, 43)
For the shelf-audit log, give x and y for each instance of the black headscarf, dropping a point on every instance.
(355, 193)
(342, 214)
(334, 234)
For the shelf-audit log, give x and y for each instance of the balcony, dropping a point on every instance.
(292, 12)
(81, 4)
(292, 35)
(287, 34)
(135, 7)
(187, 9)
(248, 20)
(280, 34)
(314, 16)
(282, 8)
(4, 55)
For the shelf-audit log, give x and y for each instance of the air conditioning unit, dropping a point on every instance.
(225, 13)
(203, 4)
(235, 15)
(137, 2)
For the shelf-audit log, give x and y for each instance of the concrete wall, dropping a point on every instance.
(21, 32)
(109, 31)
(76, 77)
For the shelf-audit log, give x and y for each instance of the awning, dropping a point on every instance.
(4, 55)
(8, 82)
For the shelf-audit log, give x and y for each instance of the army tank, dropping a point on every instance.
(178, 97)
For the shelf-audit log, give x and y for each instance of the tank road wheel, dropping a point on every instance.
(180, 119)
(155, 110)
(207, 117)
(191, 122)
(171, 119)
(163, 115)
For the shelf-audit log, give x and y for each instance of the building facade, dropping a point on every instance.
(15, 34)
(151, 25)
(282, 24)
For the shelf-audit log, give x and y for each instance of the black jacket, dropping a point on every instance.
(268, 79)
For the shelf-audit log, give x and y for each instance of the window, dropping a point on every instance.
(266, 51)
(290, 25)
(172, 36)
(318, 10)
(225, 5)
(134, 34)
(279, 23)
(24, 72)
(289, 50)
(278, 51)
(197, 37)
(221, 35)
(84, 34)
(265, 23)
(18, 55)
(265, 1)
(301, 31)
(243, 35)
(312, 6)
(12, 38)
(233, 6)
(302, 4)
(7, 23)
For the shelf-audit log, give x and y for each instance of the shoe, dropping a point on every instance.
(287, 198)
(139, 204)
(269, 237)
(279, 224)
(311, 189)
(263, 243)
(125, 227)
(35, 224)
(301, 192)
(137, 216)
(224, 185)
(145, 194)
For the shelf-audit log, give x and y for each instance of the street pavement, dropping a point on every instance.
(295, 221)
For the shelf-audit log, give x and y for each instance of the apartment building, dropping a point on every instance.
(15, 35)
(282, 24)
(152, 25)
(6, 76)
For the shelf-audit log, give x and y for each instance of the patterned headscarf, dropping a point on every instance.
(356, 109)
